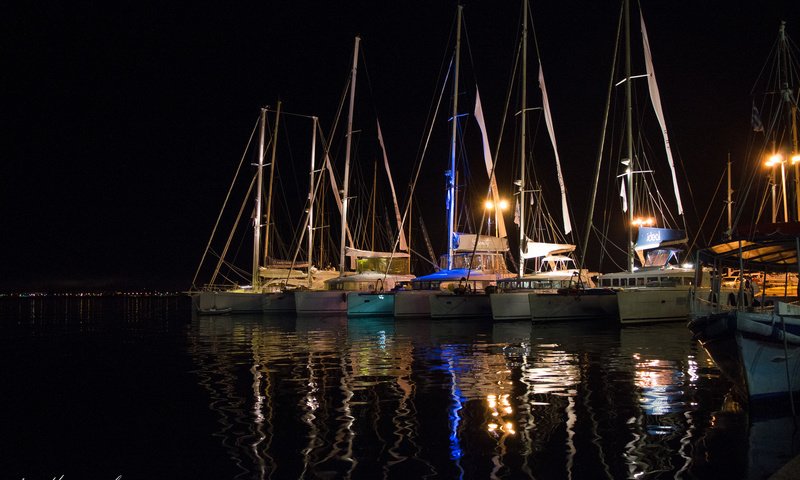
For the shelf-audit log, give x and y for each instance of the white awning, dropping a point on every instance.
(354, 252)
(541, 249)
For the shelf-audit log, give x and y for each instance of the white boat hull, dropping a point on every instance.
(237, 302)
(653, 304)
(750, 349)
(451, 305)
(320, 302)
(766, 367)
(279, 302)
(413, 303)
(551, 306)
(366, 304)
(510, 306)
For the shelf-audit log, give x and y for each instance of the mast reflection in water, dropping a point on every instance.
(153, 392)
(458, 399)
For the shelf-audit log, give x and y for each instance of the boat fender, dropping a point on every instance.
(731, 300)
(712, 298)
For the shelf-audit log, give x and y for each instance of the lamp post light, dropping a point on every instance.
(491, 209)
(772, 161)
(643, 222)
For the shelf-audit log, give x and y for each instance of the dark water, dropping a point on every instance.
(139, 387)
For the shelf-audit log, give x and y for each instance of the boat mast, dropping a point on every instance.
(524, 108)
(629, 131)
(451, 178)
(311, 189)
(345, 191)
(374, 185)
(257, 220)
(271, 179)
(601, 146)
(786, 91)
(729, 232)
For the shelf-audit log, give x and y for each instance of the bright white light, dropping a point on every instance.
(640, 221)
(774, 160)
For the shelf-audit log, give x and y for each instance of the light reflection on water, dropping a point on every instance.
(284, 397)
(455, 399)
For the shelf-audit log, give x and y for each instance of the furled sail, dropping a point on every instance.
(548, 118)
(487, 155)
(656, 99)
(542, 249)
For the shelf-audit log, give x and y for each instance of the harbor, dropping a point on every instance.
(362, 240)
(260, 396)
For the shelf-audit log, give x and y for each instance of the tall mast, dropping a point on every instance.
(345, 192)
(629, 131)
(451, 187)
(257, 220)
(791, 111)
(374, 185)
(311, 189)
(271, 179)
(522, 240)
(729, 232)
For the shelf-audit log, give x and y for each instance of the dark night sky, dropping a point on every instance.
(123, 121)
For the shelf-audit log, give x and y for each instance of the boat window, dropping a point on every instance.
(640, 282)
(615, 282)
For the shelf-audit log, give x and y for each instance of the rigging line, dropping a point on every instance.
(605, 250)
(233, 230)
(506, 107)
(227, 196)
(485, 212)
(774, 50)
(718, 222)
(293, 171)
(688, 185)
(708, 210)
(426, 143)
(600, 149)
(314, 189)
(469, 51)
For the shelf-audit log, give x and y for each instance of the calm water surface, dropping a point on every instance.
(140, 387)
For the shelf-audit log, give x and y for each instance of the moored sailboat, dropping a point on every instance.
(752, 331)
(333, 299)
(556, 268)
(472, 262)
(264, 281)
(657, 290)
(754, 339)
